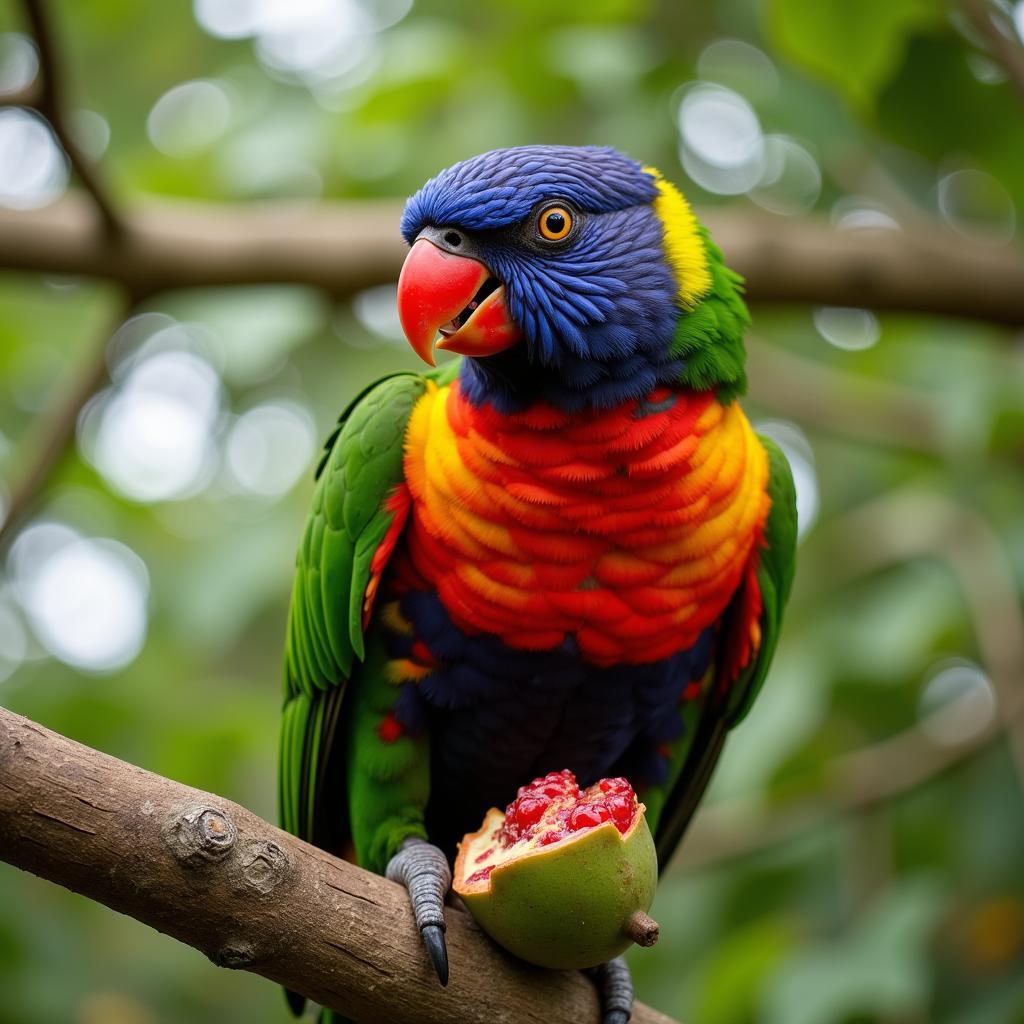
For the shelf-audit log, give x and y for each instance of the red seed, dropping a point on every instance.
(622, 810)
(528, 811)
(484, 855)
(482, 875)
(585, 816)
(552, 807)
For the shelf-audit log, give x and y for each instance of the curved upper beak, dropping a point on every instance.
(442, 292)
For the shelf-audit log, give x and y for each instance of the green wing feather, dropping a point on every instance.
(347, 521)
(706, 724)
(774, 576)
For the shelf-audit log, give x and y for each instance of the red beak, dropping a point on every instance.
(437, 292)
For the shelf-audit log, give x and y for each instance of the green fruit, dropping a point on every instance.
(556, 892)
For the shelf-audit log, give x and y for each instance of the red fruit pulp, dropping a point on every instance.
(552, 808)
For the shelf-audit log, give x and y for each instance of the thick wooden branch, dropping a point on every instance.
(215, 876)
(342, 247)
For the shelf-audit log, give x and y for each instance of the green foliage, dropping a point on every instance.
(734, 974)
(855, 47)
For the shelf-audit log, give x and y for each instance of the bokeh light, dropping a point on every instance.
(318, 42)
(790, 181)
(270, 447)
(189, 117)
(846, 327)
(740, 66)
(858, 213)
(957, 703)
(722, 145)
(376, 309)
(314, 39)
(985, 69)
(33, 171)
(800, 455)
(92, 132)
(228, 19)
(85, 599)
(975, 204)
(277, 162)
(151, 435)
(19, 62)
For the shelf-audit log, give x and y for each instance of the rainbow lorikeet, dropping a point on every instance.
(567, 549)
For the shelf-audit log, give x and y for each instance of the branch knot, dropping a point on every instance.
(265, 866)
(198, 834)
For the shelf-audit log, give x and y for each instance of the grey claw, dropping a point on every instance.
(433, 939)
(423, 870)
(615, 1017)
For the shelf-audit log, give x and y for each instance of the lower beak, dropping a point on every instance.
(455, 296)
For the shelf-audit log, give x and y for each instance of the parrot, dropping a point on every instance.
(563, 548)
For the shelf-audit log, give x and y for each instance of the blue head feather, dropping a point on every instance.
(597, 316)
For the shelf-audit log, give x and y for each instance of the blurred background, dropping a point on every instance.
(860, 857)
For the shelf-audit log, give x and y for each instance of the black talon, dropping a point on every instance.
(433, 939)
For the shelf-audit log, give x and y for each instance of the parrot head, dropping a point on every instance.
(571, 275)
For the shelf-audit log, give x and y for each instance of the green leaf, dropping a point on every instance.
(855, 47)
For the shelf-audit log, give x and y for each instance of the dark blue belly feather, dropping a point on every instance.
(498, 717)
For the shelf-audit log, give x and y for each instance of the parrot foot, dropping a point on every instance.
(615, 987)
(423, 870)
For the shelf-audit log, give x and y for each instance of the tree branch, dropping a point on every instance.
(25, 97)
(215, 876)
(49, 100)
(1007, 54)
(55, 431)
(344, 246)
(851, 405)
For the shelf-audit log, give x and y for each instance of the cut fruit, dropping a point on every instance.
(563, 878)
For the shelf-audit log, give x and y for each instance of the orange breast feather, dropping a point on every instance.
(627, 530)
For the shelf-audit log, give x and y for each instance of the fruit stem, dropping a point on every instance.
(642, 929)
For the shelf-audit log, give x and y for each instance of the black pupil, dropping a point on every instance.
(555, 223)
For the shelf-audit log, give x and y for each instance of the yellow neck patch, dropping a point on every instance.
(684, 246)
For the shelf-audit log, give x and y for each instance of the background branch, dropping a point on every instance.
(851, 405)
(343, 246)
(55, 430)
(1008, 54)
(49, 100)
(215, 876)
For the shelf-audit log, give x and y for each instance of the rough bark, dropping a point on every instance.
(215, 876)
(342, 247)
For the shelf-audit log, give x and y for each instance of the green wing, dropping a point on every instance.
(707, 722)
(774, 577)
(347, 521)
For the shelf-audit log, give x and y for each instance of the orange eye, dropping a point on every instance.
(555, 223)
